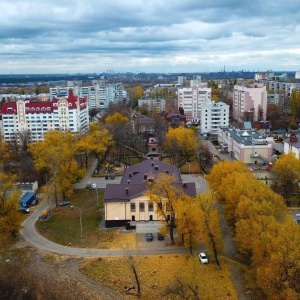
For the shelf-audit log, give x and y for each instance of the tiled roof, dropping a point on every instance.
(134, 181)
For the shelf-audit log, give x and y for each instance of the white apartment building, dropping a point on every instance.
(297, 75)
(250, 99)
(213, 116)
(34, 119)
(99, 95)
(192, 99)
(196, 81)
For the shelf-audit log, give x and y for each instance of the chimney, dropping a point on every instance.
(184, 185)
(128, 181)
(127, 190)
(152, 164)
(145, 176)
(156, 167)
(129, 175)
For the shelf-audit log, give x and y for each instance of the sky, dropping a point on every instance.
(160, 36)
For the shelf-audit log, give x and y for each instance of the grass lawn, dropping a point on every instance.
(158, 275)
(64, 225)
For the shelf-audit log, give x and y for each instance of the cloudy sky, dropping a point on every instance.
(60, 36)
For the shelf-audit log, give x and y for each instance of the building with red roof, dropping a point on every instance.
(34, 119)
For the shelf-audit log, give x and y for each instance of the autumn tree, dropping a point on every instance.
(188, 222)
(10, 218)
(56, 154)
(184, 141)
(94, 143)
(116, 124)
(295, 103)
(263, 230)
(211, 231)
(286, 172)
(165, 195)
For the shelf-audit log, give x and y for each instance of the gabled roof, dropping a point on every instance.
(135, 179)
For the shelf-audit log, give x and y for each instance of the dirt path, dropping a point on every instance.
(63, 270)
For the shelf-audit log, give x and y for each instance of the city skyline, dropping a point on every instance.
(153, 36)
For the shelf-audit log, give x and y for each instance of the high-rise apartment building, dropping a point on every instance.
(34, 119)
(191, 100)
(250, 102)
(213, 116)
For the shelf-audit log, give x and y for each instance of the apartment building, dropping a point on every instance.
(192, 99)
(282, 86)
(250, 102)
(34, 119)
(213, 116)
(99, 95)
(275, 98)
(151, 103)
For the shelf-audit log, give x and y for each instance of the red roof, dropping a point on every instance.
(44, 107)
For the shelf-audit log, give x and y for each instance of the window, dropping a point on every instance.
(142, 206)
(150, 207)
(132, 207)
(168, 206)
(159, 204)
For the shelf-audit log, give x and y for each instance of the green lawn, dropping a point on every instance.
(64, 224)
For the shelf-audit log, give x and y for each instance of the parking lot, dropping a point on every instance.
(142, 228)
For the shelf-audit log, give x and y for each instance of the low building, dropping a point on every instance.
(292, 144)
(249, 146)
(125, 203)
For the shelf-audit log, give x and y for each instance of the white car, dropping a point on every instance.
(203, 258)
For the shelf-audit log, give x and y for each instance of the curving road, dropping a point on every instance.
(30, 234)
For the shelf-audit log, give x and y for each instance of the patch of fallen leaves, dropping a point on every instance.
(157, 273)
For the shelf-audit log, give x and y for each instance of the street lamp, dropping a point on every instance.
(97, 195)
(80, 220)
(189, 166)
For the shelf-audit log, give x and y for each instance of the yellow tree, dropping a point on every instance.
(165, 195)
(287, 173)
(181, 139)
(219, 173)
(211, 230)
(276, 260)
(10, 218)
(56, 154)
(116, 125)
(188, 223)
(95, 142)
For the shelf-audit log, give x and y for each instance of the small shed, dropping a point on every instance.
(27, 198)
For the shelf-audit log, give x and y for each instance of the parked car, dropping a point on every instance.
(203, 258)
(149, 237)
(160, 237)
(91, 186)
(24, 210)
(64, 203)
